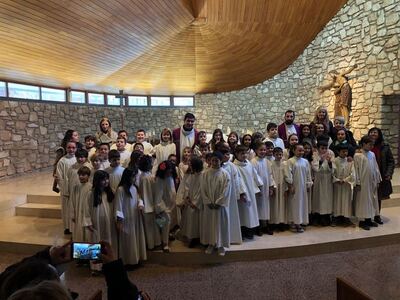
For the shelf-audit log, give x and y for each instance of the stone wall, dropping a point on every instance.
(365, 32)
(362, 32)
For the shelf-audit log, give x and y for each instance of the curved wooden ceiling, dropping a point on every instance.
(156, 46)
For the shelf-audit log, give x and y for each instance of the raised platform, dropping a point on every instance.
(38, 224)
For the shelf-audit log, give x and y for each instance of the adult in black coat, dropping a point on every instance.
(385, 160)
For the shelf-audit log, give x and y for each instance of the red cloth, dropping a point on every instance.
(377, 152)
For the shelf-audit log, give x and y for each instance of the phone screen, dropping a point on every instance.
(86, 251)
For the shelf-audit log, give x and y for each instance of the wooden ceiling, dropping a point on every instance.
(155, 46)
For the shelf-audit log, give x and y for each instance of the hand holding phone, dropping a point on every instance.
(107, 253)
(86, 251)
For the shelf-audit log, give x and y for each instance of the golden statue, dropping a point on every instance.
(342, 91)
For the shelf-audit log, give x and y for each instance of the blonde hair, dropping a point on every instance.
(326, 120)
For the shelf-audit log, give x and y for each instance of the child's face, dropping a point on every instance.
(187, 153)
(322, 149)
(173, 159)
(226, 157)
(202, 138)
(307, 150)
(232, 138)
(114, 162)
(273, 132)
(81, 159)
(241, 156)
(204, 151)
(305, 131)
(299, 151)
(96, 164)
(103, 150)
(217, 136)
(278, 155)
(215, 162)
(293, 140)
(257, 139)
(270, 151)
(121, 144)
(89, 144)
(75, 137)
(341, 136)
(138, 148)
(343, 153)
(123, 135)
(105, 126)
(71, 148)
(338, 124)
(261, 151)
(83, 178)
(320, 129)
(368, 146)
(140, 137)
(104, 183)
(247, 141)
(166, 137)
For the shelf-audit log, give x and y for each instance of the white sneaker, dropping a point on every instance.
(221, 251)
(209, 249)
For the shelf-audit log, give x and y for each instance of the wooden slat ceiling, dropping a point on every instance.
(155, 46)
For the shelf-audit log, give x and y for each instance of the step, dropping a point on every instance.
(392, 202)
(396, 189)
(43, 199)
(39, 210)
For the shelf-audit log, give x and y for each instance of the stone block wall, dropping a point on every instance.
(365, 32)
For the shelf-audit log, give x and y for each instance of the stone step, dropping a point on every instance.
(396, 189)
(52, 211)
(392, 202)
(43, 199)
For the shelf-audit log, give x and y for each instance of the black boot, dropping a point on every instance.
(378, 220)
(371, 223)
(363, 225)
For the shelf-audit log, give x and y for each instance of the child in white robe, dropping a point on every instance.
(115, 170)
(343, 181)
(146, 191)
(263, 168)
(251, 182)
(63, 166)
(78, 198)
(279, 198)
(272, 136)
(164, 149)
(99, 220)
(81, 156)
(236, 189)
(298, 178)
(192, 202)
(95, 162)
(270, 150)
(215, 196)
(184, 164)
(102, 151)
(125, 155)
(128, 208)
(322, 194)
(308, 155)
(164, 200)
(140, 139)
(247, 141)
(293, 139)
(123, 134)
(90, 145)
(367, 179)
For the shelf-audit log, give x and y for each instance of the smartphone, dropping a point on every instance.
(90, 251)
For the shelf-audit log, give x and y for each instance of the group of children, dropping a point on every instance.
(136, 197)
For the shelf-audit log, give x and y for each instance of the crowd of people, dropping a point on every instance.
(220, 191)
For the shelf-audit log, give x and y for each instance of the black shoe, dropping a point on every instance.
(378, 220)
(259, 231)
(371, 223)
(193, 243)
(363, 225)
(66, 231)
